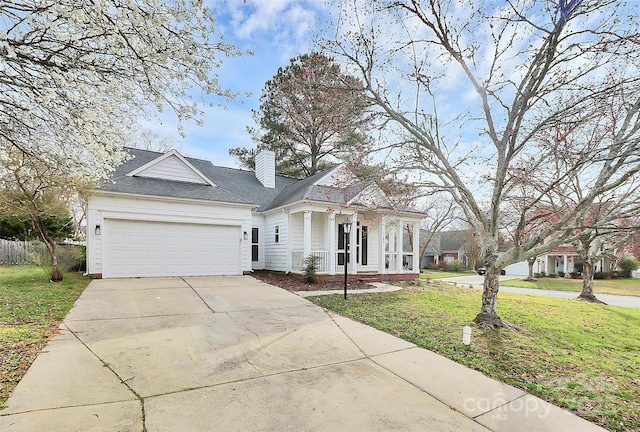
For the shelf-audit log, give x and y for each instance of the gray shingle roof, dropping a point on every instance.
(233, 185)
(120, 182)
(306, 190)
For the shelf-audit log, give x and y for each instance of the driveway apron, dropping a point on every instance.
(232, 353)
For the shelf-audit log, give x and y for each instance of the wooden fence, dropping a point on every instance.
(21, 252)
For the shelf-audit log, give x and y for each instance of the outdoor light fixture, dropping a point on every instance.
(347, 230)
(246, 236)
(466, 335)
(97, 230)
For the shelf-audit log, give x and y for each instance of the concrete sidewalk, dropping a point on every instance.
(232, 353)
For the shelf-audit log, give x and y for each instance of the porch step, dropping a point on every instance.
(369, 278)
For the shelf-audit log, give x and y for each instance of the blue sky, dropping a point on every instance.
(275, 31)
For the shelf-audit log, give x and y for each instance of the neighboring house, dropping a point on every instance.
(561, 259)
(445, 246)
(167, 215)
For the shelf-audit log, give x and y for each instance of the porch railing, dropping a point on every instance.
(297, 261)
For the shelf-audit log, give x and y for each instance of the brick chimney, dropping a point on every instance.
(266, 168)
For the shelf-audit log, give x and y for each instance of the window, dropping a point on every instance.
(277, 234)
(254, 244)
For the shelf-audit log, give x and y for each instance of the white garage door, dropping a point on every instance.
(518, 269)
(149, 249)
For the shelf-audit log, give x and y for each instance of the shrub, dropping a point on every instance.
(310, 268)
(628, 265)
(574, 275)
(579, 267)
(600, 275)
(561, 274)
(543, 274)
(72, 258)
(552, 275)
(537, 275)
(455, 265)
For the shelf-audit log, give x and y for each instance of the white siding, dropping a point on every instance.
(276, 254)
(172, 168)
(318, 228)
(106, 206)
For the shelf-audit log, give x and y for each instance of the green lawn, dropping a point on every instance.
(629, 286)
(437, 274)
(31, 309)
(581, 356)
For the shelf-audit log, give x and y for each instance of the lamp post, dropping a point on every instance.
(347, 231)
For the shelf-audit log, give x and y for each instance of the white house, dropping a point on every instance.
(168, 215)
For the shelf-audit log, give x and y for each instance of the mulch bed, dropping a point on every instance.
(293, 282)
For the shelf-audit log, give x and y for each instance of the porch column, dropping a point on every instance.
(382, 228)
(288, 244)
(416, 247)
(547, 264)
(566, 265)
(399, 245)
(307, 235)
(353, 247)
(331, 242)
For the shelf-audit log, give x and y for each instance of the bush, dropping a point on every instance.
(72, 258)
(600, 275)
(310, 268)
(552, 275)
(543, 274)
(455, 265)
(574, 275)
(628, 266)
(537, 275)
(561, 274)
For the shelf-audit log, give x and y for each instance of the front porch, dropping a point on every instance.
(377, 244)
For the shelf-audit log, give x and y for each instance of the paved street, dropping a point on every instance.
(477, 280)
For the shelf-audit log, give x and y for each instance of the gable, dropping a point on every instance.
(371, 196)
(171, 166)
(336, 177)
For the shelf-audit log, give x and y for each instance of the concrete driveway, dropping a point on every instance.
(232, 353)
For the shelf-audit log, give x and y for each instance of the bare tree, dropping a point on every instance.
(517, 70)
(472, 249)
(440, 213)
(147, 139)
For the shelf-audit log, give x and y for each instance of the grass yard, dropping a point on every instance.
(437, 274)
(630, 286)
(577, 355)
(31, 309)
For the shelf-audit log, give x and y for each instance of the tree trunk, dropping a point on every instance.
(530, 263)
(488, 318)
(472, 263)
(56, 273)
(587, 284)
